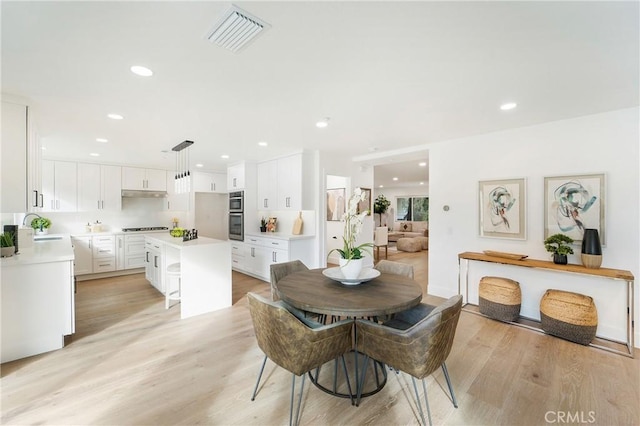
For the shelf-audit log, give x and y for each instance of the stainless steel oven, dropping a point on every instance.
(236, 226)
(236, 202)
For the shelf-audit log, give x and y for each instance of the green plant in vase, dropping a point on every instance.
(558, 244)
(41, 224)
(6, 244)
(380, 206)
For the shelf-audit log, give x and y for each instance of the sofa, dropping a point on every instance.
(408, 229)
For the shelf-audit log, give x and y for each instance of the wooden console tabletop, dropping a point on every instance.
(616, 274)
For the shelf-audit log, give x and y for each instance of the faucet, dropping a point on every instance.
(31, 214)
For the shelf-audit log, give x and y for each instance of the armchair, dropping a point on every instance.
(417, 350)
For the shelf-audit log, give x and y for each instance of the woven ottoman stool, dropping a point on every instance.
(571, 316)
(424, 241)
(500, 298)
(410, 245)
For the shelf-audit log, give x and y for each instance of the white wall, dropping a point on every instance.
(603, 143)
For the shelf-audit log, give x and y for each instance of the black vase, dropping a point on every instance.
(559, 259)
(591, 249)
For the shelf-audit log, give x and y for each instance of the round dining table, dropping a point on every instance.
(312, 291)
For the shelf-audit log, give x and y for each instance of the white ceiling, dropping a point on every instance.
(389, 75)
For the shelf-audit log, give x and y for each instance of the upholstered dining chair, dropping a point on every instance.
(391, 267)
(296, 343)
(418, 347)
(281, 270)
(381, 239)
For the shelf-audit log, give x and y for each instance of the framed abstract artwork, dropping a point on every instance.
(335, 203)
(573, 204)
(502, 208)
(365, 205)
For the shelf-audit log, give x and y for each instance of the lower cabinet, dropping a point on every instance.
(104, 253)
(83, 255)
(256, 254)
(153, 265)
(134, 252)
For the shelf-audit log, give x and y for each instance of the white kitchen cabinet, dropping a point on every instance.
(284, 183)
(175, 201)
(135, 178)
(259, 253)
(83, 255)
(295, 177)
(59, 186)
(209, 182)
(154, 264)
(99, 187)
(239, 252)
(104, 253)
(134, 251)
(120, 259)
(20, 160)
(267, 189)
(236, 177)
(37, 308)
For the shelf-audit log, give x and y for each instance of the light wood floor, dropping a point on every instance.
(133, 362)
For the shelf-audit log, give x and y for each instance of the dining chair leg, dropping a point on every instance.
(293, 392)
(415, 388)
(255, 390)
(426, 400)
(446, 376)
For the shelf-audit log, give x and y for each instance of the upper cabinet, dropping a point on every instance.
(59, 186)
(134, 178)
(21, 155)
(99, 187)
(236, 177)
(283, 184)
(267, 188)
(209, 182)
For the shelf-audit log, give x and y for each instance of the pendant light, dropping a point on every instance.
(183, 174)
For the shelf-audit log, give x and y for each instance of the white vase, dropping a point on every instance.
(7, 251)
(351, 268)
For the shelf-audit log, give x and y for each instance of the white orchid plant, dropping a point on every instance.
(353, 222)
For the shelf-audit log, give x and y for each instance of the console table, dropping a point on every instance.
(606, 273)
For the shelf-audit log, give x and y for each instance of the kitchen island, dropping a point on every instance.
(37, 299)
(205, 271)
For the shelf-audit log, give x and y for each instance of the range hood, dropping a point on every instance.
(131, 193)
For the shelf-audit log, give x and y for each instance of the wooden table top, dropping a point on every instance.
(311, 291)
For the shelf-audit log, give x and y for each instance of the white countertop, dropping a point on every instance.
(42, 252)
(97, 234)
(278, 235)
(178, 243)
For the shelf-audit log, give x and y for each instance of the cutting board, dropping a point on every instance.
(297, 225)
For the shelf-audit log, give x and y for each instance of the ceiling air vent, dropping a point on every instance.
(236, 29)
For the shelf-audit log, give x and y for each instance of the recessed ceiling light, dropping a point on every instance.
(395, 178)
(44, 148)
(102, 140)
(508, 106)
(94, 154)
(142, 71)
(322, 123)
(381, 186)
(115, 116)
(262, 143)
(421, 183)
(225, 156)
(199, 165)
(422, 164)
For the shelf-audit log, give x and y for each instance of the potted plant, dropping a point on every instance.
(351, 254)
(558, 244)
(6, 243)
(263, 224)
(41, 225)
(380, 206)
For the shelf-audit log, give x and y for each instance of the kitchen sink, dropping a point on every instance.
(47, 238)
